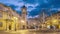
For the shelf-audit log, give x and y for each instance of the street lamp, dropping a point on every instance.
(15, 18)
(22, 21)
(55, 21)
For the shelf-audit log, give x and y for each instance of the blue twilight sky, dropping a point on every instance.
(33, 6)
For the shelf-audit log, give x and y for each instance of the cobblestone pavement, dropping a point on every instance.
(26, 32)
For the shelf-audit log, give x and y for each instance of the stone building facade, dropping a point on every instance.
(9, 19)
(53, 20)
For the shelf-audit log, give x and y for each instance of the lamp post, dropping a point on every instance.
(55, 21)
(22, 21)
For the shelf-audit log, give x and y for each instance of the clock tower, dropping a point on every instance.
(24, 17)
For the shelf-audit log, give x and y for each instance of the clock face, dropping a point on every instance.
(24, 10)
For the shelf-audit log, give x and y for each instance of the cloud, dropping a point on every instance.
(31, 7)
(30, 1)
(45, 1)
(36, 16)
(17, 4)
(58, 9)
(53, 8)
(13, 2)
(20, 3)
(29, 17)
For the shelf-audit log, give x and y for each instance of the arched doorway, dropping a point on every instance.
(9, 24)
(9, 27)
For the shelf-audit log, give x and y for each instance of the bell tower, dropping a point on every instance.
(24, 17)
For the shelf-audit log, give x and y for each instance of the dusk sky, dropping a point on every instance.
(33, 6)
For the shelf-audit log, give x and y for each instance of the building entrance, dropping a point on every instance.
(9, 27)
